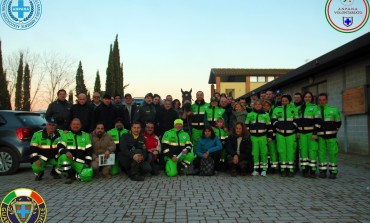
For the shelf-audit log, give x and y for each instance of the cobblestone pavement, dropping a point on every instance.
(207, 199)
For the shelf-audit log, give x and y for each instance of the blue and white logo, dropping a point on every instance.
(21, 14)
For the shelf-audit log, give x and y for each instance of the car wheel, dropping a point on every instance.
(9, 161)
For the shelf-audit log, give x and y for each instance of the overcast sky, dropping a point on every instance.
(166, 45)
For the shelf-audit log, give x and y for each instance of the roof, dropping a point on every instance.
(343, 54)
(225, 72)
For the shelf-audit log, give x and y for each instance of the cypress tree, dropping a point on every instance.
(18, 87)
(97, 85)
(70, 97)
(4, 92)
(80, 83)
(109, 82)
(117, 68)
(27, 89)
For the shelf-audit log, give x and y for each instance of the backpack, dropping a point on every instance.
(207, 167)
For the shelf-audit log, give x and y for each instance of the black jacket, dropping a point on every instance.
(130, 146)
(146, 112)
(245, 148)
(127, 115)
(60, 111)
(106, 114)
(85, 114)
(165, 119)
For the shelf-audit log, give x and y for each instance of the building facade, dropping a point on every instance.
(237, 82)
(344, 74)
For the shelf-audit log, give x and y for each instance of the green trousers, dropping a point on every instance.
(286, 147)
(259, 152)
(308, 151)
(328, 147)
(82, 173)
(38, 169)
(195, 136)
(273, 154)
(171, 166)
(114, 170)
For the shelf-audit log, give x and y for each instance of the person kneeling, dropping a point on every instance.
(209, 150)
(177, 149)
(133, 155)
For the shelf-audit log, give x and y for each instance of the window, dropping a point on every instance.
(270, 78)
(253, 78)
(261, 79)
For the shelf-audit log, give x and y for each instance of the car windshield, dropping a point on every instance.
(31, 119)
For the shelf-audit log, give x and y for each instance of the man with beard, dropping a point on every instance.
(146, 112)
(197, 118)
(102, 144)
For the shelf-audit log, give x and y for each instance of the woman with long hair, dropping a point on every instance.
(308, 145)
(239, 148)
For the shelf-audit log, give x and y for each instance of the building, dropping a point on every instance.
(237, 82)
(343, 73)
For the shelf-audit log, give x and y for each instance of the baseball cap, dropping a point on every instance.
(51, 120)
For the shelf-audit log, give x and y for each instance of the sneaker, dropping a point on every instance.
(255, 173)
(263, 173)
(39, 176)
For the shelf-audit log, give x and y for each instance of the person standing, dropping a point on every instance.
(307, 142)
(146, 112)
(213, 112)
(165, 118)
(273, 153)
(75, 154)
(198, 109)
(177, 149)
(131, 110)
(106, 113)
(284, 122)
(43, 150)
(327, 128)
(258, 123)
(60, 110)
(84, 112)
(133, 155)
(239, 115)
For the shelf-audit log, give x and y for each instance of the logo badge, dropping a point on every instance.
(21, 14)
(347, 16)
(23, 205)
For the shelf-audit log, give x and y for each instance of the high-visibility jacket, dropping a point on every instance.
(329, 122)
(284, 120)
(44, 146)
(79, 144)
(198, 109)
(213, 113)
(117, 134)
(174, 141)
(258, 123)
(306, 118)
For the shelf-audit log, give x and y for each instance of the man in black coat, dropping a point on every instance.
(130, 110)
(165, 117)
(106, 113)
(60, 111)
(84, 112)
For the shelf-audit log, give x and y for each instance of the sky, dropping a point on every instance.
(166, 45)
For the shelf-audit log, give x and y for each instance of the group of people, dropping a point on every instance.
(273, 133)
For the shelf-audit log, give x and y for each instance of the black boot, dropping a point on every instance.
(290, 172)
(332, 176)
(305, 172)
(283, 172)
(54, 174)
(70, 177)
(312, 173)
(233, 170)
(322, 174)
(39, 176)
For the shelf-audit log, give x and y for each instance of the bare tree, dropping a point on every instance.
(58, 74)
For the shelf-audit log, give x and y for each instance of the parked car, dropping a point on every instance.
(41, 112)
(16, 130)
(139, 100)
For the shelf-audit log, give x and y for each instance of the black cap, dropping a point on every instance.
(213, 99)
(107, 96)
(149, 95)
(253, 93)
(51, 120)
(278, 92)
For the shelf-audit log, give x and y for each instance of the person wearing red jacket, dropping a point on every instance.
(153, 147)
